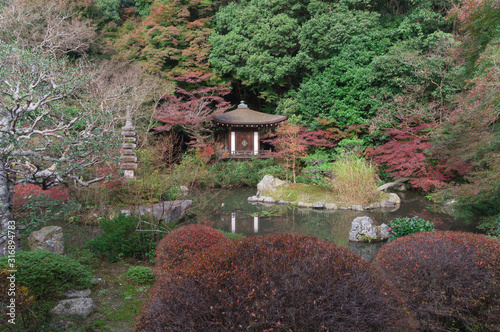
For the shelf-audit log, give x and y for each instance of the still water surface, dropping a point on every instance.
(234, 214)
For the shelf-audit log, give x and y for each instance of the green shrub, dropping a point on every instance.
(450, 280)
(318, 168)
(37, 211)
(125, 236)
(282, 283)
(235, 173)
(277, 171)
(47, 274)
(140, 274)
(225, 174)
(491, 225)
(405, 226)
(84, 256)
(350, 146)
(191, 172)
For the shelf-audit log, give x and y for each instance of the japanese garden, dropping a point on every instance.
(249, 165)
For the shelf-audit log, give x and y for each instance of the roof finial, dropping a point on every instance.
(242, 104)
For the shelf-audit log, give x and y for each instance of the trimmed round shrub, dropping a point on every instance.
(47, 274)
(278, 283)
(450, 280)
(183, 243)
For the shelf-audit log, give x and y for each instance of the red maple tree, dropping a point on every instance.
(293, 142)
(409, 154)
(192, 110)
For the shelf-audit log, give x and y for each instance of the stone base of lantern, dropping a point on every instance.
(129, 174)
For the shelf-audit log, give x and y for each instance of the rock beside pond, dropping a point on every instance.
(167, 210)
(49, 238)
(372, 206)
(253, 199)
(357, 208)
(398, 185)
(269, 184)
(391, 202)
(305, 204)
(319, 205)
(80, 307)
(269, 200)
(362, 230)
(284, 202)
(331, 206)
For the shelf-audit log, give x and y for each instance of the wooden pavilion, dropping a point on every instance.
(243, 129)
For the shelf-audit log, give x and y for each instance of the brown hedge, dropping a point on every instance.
(184, 243)
(274, 283)
(450, 280)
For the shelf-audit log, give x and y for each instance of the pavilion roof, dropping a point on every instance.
(243, 116)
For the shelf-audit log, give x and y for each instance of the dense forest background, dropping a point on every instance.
(411, 85)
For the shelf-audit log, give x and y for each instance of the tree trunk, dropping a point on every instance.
(10, 241)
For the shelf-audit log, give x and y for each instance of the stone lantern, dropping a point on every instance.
(128, 156)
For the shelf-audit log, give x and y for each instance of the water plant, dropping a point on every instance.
(406, 225)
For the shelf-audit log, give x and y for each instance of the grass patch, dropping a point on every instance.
(355, 181)
(118, 299)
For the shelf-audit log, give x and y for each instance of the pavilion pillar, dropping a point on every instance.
(256, 143)
(233, 142)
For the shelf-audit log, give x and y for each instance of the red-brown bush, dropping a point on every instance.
(274, 283)
(450, 280)
(183, 243)
(22, 193)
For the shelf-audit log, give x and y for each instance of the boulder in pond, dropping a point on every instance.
(362, 230)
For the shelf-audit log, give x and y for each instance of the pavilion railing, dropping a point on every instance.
(226, 154)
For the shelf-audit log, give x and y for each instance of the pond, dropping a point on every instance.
(232, 213)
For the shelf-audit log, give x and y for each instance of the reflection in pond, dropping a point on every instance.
(234, 214)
